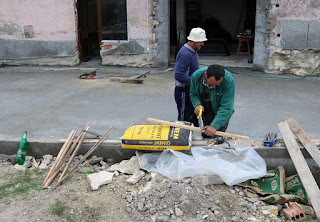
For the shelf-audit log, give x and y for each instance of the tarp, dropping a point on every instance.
(233, 166)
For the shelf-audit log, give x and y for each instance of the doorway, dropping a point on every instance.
(88, 30)
(223, 21)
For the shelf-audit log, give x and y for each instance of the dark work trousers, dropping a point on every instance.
(184, 105)
(208, 116)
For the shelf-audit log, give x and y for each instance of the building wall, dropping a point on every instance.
(147, 44)
(293, 41)
(38, 32)
(45, 33)
(262, 30)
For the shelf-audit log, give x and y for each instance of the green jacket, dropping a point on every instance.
(222, 97)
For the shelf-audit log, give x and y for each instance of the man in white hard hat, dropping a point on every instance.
(187, 62)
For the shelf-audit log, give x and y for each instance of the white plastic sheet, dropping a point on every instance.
(232, 165)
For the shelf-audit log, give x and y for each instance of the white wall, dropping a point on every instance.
(51, 20)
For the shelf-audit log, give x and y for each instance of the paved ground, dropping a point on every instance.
(49, 104)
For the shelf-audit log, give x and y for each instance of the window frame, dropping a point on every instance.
(100, 25)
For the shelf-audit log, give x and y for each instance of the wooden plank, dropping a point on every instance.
(60, 154)
(135, 79)
(96, 134)
(139, 76)
(78, 144)
(92, 149)
(305, 140)
(90, 141)
(74, 144)
(124, 80)
(302, 136)
(301, 166)
(192, 128)
(59, 163)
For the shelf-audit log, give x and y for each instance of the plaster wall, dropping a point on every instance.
(262, 30)
(146, 21)
(294, 45)
(138, 19)
(37, 31)
(162, 32)
(51, 20)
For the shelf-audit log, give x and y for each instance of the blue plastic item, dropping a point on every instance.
(269, 143)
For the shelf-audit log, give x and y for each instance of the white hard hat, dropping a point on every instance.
(197, 35)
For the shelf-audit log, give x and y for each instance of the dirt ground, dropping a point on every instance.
(153, 198)
(72, 201)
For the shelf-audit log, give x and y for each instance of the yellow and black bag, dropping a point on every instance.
(150, 136)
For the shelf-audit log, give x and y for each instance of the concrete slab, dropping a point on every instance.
(294, 34)
(313, 40)
(49, 104)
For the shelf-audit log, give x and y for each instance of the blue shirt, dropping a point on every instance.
(187, 62)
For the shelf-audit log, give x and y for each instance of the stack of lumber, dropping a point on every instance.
(287, 128)
(71, 147)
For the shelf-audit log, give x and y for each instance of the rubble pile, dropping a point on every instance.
(153, 197)
(96, 165)
(156, 198)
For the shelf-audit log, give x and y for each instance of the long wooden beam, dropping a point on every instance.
(305, 140)
(192, 128)
(301, 166)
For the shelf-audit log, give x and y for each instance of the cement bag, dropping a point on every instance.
(231, 165)
(278, 189)
(147, 136)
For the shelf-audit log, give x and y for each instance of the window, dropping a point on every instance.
(114, 19)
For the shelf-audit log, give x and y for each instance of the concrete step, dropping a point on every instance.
(112, 149)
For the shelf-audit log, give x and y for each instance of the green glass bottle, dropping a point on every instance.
(22, 149)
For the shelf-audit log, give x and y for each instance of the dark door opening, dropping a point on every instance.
(88, 30)
(223, 22)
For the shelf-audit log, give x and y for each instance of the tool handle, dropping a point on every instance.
(200, 112)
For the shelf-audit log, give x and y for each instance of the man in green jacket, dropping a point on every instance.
(213, 88)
